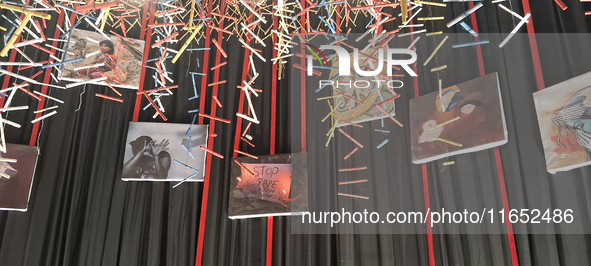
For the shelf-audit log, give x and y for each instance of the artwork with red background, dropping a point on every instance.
(278, 185)
(270, 182)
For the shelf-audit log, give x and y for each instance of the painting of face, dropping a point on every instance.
(105, 48)
(468, 117)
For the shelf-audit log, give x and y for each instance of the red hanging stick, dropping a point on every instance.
(218, 66)
(217, 101)
(247, 154)
(561, 4)
(216, 83)
(155, 107)
(219, 48)
(165, 40)
(113, 89)
(40, 30)
(109, 98)
(30, 94)
(351, 138)
(216, 118)
(351, 153)
(247, 142)
(212, 152)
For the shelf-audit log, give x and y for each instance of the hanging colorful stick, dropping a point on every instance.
(353, 196)
(109, 98)
(351, 153)
(17, 32)
(353, 182)
(436, 49)
(351, 138)
(212, 152)
(42, 117)
(353, 169)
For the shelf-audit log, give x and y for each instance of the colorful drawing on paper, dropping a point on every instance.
(564, 116)
(466, 117)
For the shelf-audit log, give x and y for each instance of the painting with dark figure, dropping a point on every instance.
(117, 58)
(463, 118)
(164, 152)
(149, 161)
(564, 116)
(272, 185)
(106, 48)
(16, 178)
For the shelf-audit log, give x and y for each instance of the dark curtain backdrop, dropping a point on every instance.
(81, 213)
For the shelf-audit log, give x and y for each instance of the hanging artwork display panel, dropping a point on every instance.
(17, 169)
(463, 118)
(164, 152)
(564, 117)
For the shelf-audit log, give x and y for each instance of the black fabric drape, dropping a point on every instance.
(81, 213)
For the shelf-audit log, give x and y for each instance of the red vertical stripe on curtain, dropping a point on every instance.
(424, 173)
(534, 47)
(210, 141)
(303, 85)
(147, 39)
(498, 161)
(205, 66)
(272, 151)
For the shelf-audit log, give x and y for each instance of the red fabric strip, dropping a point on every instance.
(510, 236)
(274, 92)
(534, 47)
(207, 175)
(477, 38)
(144, 20)
(269, 259)
(303, 83)
(514, 257)
(269, 241)
(427, 210)
(424, 171)
(205, 67)
(237, 133)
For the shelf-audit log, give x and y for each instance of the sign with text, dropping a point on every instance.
(269, 182)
